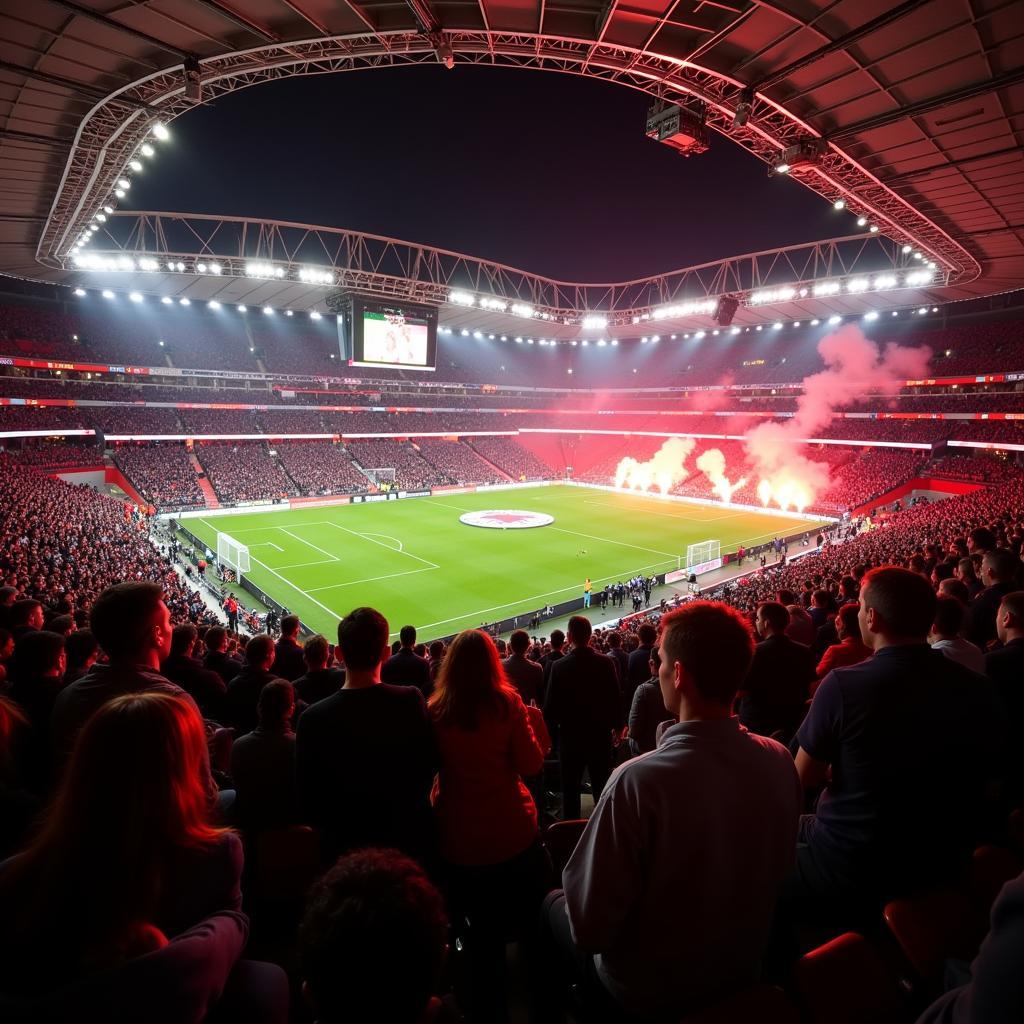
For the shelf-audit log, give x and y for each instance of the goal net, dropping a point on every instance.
(232, 553)
(703, 557)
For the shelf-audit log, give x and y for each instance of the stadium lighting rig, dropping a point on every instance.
(804, 153)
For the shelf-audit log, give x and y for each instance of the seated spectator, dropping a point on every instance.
(907, 742)
(217, 658)
(405, 667)
(244, 690)
(206, 688)
(774, 694)
(289, 662)
(801, 627)
(495, 868)
(851, 649)
(648, 711)
(366, 757)
(129, 840)
(263, 763)
(81, 651)
(525, 675)
(950, 618)
(668, 896)
(372, 901)
(318, 681)
(40, 678)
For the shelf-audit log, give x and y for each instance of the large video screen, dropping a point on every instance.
(402, 337)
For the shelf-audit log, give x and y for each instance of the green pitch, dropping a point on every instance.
(418, 564)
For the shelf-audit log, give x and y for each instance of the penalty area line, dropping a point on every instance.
(370, 579)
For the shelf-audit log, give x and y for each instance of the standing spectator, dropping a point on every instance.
(405, 667)
(647, 711)
(672, 886)
(999, 569)
(583, 708)
(206, 688)
(555, 654)
(366, 757)
(525, 675)
(950, 617)
(26, 616)
(244, 690)
(231, 611)
(217, 658)
(318, 681)
(486, 819)
(774, 694)
(620, 657)
(263, 763)
(434, 661)
(907, 742)
(288, 660)
(851, 649)
(81, 651)
(639, 662)
(966, 574)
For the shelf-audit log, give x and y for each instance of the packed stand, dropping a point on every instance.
(162, 473)
(458, 462)
(512, 458)
(243, 472)
(411, 471)
(321, 467)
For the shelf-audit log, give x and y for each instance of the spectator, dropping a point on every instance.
(244, 690)
(435, 661)
(647, 712)
(525, 675)
(217, 658)
(405, 667)
(801, 625)
(205, 687)
(26, 616)
(639, 663)
(620, 657)
(911, 738)
(128, 841)
(373, 901)
(495, 866)
(289, 661)
(263, 763)
(999, 571)
(851, 649)
(774, 694)
(6, 653)
(40, 678)
(950, 617)
(584, 710)
(366, 756)
(1005, 667)
(555, 654)
(318, 681)
(966, 574)
(694, 878)
(81, 651)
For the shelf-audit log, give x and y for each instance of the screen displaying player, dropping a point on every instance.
(395, 339)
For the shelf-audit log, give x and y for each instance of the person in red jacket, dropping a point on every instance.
(851, 649)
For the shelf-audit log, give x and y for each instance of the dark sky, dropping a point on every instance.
(547, 172)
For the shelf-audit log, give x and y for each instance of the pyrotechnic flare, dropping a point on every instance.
(664, 469)
(712, 464)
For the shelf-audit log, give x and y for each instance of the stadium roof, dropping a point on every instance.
(918, 106)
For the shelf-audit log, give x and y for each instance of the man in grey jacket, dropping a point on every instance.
(669, 895)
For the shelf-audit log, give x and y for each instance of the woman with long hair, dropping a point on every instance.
(127, 844)
(495, 869)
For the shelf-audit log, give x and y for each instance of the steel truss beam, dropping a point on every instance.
(391, 268)
(113, 130)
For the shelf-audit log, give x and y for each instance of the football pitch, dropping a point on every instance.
(415, 561)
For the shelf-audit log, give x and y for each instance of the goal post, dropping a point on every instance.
(705, 556)
(233, 553)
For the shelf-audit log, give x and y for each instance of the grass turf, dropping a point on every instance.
(418, 564)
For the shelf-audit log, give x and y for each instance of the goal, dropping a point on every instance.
(232, 553)
(703, 557)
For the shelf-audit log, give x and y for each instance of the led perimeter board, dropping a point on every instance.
(387, 334)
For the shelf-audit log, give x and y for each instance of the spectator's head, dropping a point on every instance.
(407, 635)
(897, 606)
(785, 598)
(648, 635)
(316, 652)
(519, 641)
(654, 661)
(821, 599)
(557, 639)
(63, 624)
(965, 570)
(259, 652)
(8, 595)
(848, 621)
(6, 644)
(183, 640)
(1010, 617)
(580, 631)
(370, 902)
(471, 680)
(951, 587)
(363, 639)
(772, 619)
(999, 566)
(614, 639)
(437, 650)
(41, 654)
(706, 649)
(950, 615)
(132, 624)
(982, 539)
(276, 705)
(849, 589)
(80, 649)
(290, 626)
(27, 613)
(216, 639)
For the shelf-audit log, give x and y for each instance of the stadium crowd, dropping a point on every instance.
(320, 467)
(244, 471)
(162, 473)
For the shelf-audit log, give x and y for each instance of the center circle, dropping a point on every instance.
(506, 519)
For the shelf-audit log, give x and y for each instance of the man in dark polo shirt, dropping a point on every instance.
(907, 742)
(405, 667)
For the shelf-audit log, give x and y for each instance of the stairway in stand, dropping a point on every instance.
(209, 494)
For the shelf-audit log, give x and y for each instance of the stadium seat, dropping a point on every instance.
(561, 839)
(845, 981)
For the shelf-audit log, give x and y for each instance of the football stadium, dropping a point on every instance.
(511, 514)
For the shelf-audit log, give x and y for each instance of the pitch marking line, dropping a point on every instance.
(608, 540)
(266, 544)
(306, 565)
(309, 544)
(395, 540)
(370, 579)
(445, 504)
(388, 547)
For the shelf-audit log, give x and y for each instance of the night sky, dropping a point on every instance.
(546, 172)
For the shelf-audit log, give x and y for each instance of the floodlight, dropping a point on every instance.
(135, 165)
(146, 149)
(108, 294)
(872, 315)
(241, 309)
(135, 296)
(777, 326)
(108, 209)
(184, 301)
(289, 312)
(124, 183)
(213, 304)
(861, 221)
(835, 319)
(166, 300)
(119, 192)
(268, 310)
(79, 292)
(315, 315)
(160, 132)
(839, 204)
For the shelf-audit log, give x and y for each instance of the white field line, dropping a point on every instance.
(608, 540)
(386, 536)
(370, 579)
(444, 504)
(309, 544)
(306, 565)
(266, 544)
(388, 547)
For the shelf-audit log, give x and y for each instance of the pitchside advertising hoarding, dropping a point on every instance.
(358, 499)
